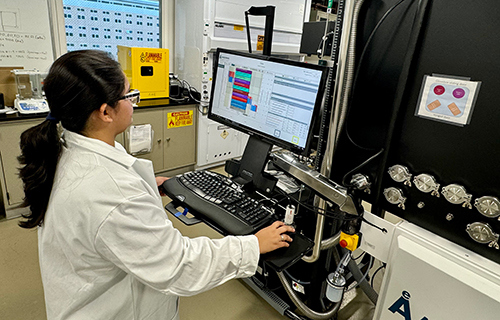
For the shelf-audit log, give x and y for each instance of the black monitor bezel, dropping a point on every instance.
(264, 136)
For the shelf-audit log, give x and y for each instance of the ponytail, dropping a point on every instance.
(78, 83)
(40, 151)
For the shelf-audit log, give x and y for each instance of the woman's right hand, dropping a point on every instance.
(274, 237)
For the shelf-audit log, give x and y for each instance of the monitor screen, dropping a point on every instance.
(276, 99)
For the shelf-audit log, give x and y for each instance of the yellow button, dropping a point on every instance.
(348, 241)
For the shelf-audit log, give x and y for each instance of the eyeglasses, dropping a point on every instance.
(133, 96)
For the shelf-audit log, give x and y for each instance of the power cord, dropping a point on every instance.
(304, 283)
(384, 230)
(362, 254)
(184, 85)
(321, 211)
(344, 182)
(364, 276)
(376, 271)
(320, 46)
(361, 57)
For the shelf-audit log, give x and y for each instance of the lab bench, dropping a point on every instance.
(173, 146)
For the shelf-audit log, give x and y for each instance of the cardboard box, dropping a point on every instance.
(8, 85)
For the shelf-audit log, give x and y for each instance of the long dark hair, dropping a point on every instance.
(78, 83)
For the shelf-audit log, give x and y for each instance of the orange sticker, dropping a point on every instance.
(454, 109)
(260, 43)
(433, 105)
(151, 57)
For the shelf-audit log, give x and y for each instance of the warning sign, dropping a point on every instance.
(179, 119)
(151, 57)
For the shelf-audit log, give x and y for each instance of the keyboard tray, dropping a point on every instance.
(225, 224)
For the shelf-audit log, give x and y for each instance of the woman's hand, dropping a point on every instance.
(274, 237)
(159, 182)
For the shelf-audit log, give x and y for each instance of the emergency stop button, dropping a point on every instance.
(348, 241)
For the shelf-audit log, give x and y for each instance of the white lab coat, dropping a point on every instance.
(107, 249)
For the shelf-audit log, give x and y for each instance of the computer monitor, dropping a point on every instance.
(275, 101)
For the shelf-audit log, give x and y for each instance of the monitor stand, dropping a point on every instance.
(249, 171)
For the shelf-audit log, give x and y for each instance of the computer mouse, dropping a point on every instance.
(290, 234)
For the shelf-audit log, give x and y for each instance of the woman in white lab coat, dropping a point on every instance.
(106, 247)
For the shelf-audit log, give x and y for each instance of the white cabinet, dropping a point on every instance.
(174, 146)
(173, 151)
(12, 187)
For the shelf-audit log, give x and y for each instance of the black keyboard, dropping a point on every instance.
(218, 199)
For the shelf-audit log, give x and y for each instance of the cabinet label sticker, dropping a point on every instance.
(447, 99)
(179, 119)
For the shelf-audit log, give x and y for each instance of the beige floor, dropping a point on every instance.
(21, 293)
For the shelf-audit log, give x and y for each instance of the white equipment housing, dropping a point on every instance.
(429, 277)
(201, 26)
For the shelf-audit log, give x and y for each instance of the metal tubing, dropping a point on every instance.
(327, 160)
(338, 92)
(330, 242)
(351, 59)
(302, 307)
(318, 236)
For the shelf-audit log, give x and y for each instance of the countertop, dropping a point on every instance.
(144, 104)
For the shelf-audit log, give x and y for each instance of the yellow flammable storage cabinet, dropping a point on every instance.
(146, 70)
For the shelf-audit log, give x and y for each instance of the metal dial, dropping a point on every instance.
(400, 173)
(456, 194)
(482, 233)
(426, 183)
(395, 196)
(488, 206)
(361, 182)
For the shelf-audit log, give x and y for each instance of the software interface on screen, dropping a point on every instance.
(270, 97)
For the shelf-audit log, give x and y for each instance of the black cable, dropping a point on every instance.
(400, 92)
(290, 314)
(375, 273)
(384, 230)
(296, 280)
(356, 74)
(263, 286)
(363, 278)
(328, 213)
(362, 254)
(266, 285)
(370, 37)
(185, 85)
(344, 183)
(324, 212)
(189, 89)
